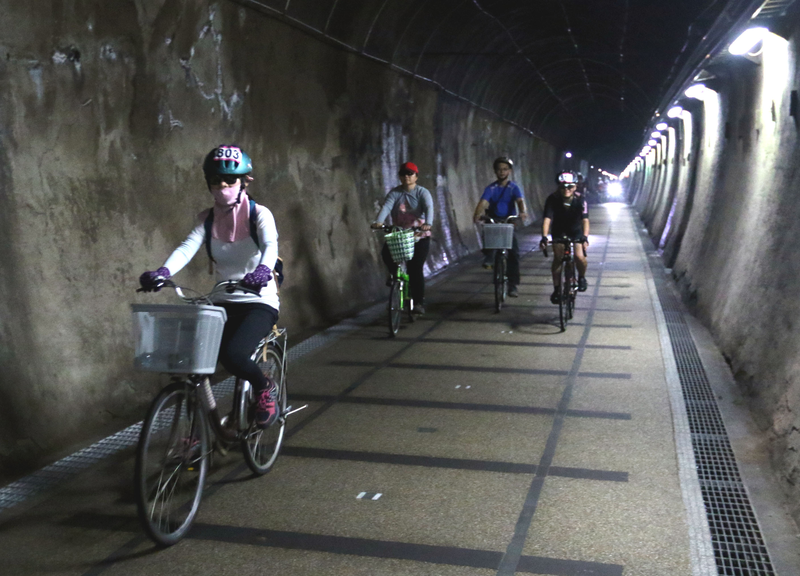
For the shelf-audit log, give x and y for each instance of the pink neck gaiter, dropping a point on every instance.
(231, 214)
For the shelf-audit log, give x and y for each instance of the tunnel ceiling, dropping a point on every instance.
(582, 74)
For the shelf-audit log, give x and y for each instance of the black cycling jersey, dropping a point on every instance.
(566, 215)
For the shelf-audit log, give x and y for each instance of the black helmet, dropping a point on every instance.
(565, 178)
(502, 160)
(227, 159)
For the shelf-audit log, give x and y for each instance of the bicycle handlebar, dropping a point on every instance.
(229, 286)
(507, 220)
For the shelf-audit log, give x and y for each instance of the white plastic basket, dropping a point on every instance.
(498, 236)
(177, 338)
(401, 245)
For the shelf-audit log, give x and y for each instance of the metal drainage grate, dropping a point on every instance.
(739, 548)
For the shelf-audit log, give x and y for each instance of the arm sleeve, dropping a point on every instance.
(487, 194)
(548, 208)
(267, 237)
(388, 204)
(186, 251)
(517, 191)
(585, 210)
(428, 200)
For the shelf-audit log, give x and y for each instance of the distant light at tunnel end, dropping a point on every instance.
(568, 154)
(662, 126)
(747, 40)
(697, 91)
(655, 134)
(674, 112)
(651, 142)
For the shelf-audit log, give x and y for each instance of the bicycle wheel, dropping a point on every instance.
(499, 280)
(171, 464)
(572, 295)
(563, 292)
(262, 445)
(395, 308)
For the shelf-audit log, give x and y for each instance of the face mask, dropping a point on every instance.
(227, 195)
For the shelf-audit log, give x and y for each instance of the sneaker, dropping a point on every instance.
(513, 292)
(582, 284)
(419, 309)
(554, 297)
(266, 408)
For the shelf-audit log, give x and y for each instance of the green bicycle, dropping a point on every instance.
(401, 247)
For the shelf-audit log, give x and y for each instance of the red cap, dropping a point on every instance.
(410, 166)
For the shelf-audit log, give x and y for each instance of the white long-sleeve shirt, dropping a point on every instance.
(235, 259)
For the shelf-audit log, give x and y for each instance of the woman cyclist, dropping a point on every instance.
(410, 206)
(243, 247)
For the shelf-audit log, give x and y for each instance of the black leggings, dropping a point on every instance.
(416, 279)
(247, 324)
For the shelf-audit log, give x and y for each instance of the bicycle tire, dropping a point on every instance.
(171, 464)
(499, 281)
(261, 446)
(572, 294)
(562, 297)
(395, 308)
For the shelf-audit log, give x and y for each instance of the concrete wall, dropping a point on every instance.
(106, 112)
(733, 244)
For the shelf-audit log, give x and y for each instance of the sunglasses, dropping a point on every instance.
(407, 173)
(217, 179)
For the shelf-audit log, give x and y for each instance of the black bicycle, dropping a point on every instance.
(568, 288)
(499, 236)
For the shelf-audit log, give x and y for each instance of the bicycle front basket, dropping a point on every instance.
(401, 245)
(498, 236)
(177, 338)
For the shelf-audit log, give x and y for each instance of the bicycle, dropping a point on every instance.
(499, 236)
(401, 246)
(174, 450)
(568, 282)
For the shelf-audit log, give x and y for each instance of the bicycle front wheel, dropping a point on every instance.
(171, 464)
(499, 280)
(573, 291)
(395, 309)
(261, 446)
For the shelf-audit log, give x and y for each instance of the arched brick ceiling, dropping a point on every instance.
(584, 74)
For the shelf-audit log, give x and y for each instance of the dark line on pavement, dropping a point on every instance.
(505, 343)
(485, 369)
(471, 406)
(450, 463)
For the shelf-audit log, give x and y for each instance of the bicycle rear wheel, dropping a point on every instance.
(261, 446)
(171, 464)
(395, 308)
(499, 280)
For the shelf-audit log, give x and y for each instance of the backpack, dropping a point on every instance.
(209, 222)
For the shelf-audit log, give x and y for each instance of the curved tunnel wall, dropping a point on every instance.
(106, 113)
(734, 218)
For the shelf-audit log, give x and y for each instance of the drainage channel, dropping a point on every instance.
(739, 548)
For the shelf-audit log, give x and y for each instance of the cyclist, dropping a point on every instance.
(501, 199)
(244, 248)
(410, 205)
(566, 215)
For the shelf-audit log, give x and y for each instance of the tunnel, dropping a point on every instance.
(656, 432)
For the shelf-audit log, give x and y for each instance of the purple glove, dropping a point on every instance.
(151, 280)
(258, 278)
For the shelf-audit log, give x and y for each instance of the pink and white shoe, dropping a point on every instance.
(266, 407)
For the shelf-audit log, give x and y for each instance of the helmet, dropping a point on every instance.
(502, 160)
(227, 159)
(566, 177)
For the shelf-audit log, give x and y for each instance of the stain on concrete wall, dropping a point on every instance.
(106, 112)
(737, 264)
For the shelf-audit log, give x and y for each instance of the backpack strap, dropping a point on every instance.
(254, 223)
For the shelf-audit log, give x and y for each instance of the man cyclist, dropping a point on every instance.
(411, 206)
(566, 215)
(501, 199)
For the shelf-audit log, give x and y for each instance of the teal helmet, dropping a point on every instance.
(227, 159)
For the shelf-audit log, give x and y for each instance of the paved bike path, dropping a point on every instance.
(473, 443)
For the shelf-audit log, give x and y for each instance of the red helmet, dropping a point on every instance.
(410, 166)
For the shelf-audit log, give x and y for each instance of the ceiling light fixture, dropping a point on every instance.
(674, 112)
(747, 40)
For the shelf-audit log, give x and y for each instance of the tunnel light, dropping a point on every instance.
(747, 40)
(614, 190)
(568, 154)
(674, 112)
(651, 142)
(698, 91)
(655, 135)
(661, 126)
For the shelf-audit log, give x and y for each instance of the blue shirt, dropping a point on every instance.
(502, 199)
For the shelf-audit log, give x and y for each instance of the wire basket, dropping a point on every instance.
(498, 236)
(177, 339)
(401, 245)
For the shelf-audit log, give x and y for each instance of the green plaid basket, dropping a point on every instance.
(401, 245)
